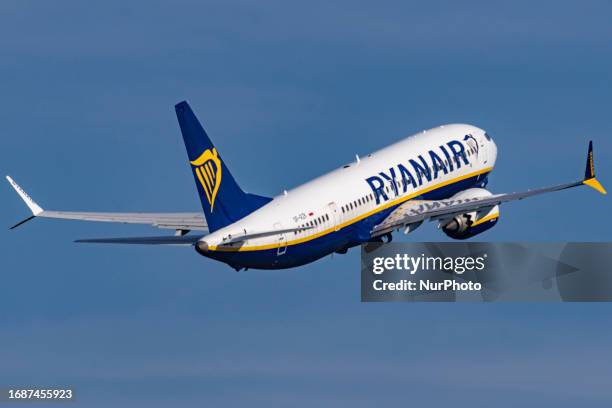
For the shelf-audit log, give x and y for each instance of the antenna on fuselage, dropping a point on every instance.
(357, 157)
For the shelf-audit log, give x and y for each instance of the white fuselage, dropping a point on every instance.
(354, 192)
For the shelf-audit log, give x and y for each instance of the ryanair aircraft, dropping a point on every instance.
(438, 175)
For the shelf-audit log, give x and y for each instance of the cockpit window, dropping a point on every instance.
(487, 136)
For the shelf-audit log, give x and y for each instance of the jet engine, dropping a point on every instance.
(467, 225)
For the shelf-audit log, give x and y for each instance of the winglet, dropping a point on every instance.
(589, 172)
(35, 208)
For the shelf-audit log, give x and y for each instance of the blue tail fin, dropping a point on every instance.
(223, 201)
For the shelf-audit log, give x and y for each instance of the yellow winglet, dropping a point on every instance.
(589, 172)
(593, 183)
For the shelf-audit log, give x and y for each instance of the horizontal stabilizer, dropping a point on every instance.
(160, 240)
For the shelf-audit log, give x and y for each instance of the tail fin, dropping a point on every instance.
(589, 173)
(223, 201)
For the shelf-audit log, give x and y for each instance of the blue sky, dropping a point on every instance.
(288, 90)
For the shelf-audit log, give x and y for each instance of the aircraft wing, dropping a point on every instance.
(415, 211)
(176, 221)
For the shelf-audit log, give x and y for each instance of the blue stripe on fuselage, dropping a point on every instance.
(349, 236)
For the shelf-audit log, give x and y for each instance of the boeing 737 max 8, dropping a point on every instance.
(438, 175)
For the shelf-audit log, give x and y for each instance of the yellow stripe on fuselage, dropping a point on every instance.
(351, 221)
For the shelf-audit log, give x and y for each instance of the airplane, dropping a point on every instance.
(438, 175)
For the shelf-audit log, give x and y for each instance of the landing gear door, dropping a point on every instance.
(334, 215)
(282, 240)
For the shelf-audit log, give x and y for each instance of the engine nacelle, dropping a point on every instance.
(473, 223)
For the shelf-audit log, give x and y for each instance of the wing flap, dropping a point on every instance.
(156, 240)
(192, 221)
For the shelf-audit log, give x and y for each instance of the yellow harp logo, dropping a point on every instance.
(207, 168)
